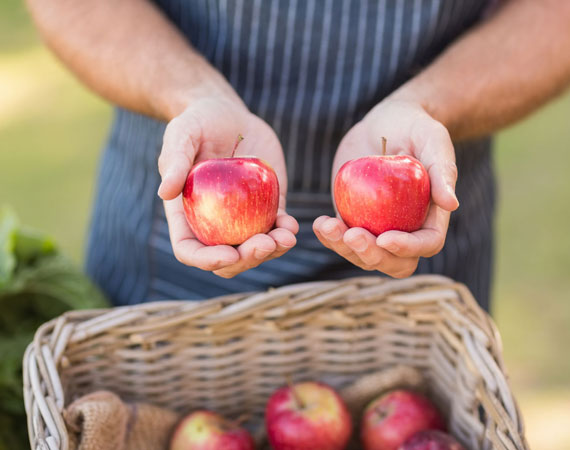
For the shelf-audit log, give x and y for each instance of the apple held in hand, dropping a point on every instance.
(383, 192)
(205, 430)
(307, 416)
(431, 440)
(394, 417)
(228, 200)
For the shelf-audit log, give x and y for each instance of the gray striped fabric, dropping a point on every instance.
(311, 69)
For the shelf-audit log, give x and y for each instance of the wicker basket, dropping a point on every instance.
(230, 353)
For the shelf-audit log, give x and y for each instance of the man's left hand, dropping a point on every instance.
(409, 130)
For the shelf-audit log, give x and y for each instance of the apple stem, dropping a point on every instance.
(298, 400)
(383, 146)
(238, 140)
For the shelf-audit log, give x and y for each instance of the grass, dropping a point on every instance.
(16, 28)
(52, 130)
(532, 305)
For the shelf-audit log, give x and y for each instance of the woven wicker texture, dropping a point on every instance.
(230, 353)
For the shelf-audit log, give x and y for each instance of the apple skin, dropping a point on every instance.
(322, 422)
(392, 418)
(205, 430)
(228, 200)
(382, 193)
(431, 440)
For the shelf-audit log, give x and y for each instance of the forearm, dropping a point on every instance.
(499, 71)
(128, 52)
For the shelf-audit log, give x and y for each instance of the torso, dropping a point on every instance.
(311, 69)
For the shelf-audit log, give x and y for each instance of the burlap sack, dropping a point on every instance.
(102, 421)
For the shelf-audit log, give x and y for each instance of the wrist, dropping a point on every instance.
(202, 82)
(447, 103)
(206, 90)
(426, 96)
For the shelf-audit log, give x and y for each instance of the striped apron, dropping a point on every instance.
(311, 69)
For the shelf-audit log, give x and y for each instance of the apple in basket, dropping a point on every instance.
(383, 192)
(205, 430)
(228, 200)
(394, 417)
(307, 416)
(431, 440)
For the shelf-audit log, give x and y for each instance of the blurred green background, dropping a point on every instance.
(52, 129)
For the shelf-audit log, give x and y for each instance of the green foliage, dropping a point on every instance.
(37, 283)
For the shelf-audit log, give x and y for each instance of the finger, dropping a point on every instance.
(363, 244)
(327, 230)
(388, 264)
(397, 267)
(286, 221)
(177, 156)
(435, 150)
(256, 248)
(192, 252)
(330, 228)
(284, 239)
(251, 253)
(426, 242)
(187, 249)
(317, 224)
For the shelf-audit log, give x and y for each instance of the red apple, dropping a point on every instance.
(383, 192)
(307, 416)
(394, 417)
(431, 440)
(228, 200)
(205, 430)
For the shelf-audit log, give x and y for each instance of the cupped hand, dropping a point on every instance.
(409, 130)
(207, 129)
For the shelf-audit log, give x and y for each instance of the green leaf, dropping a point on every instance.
(31, 245)
(13, 432)
(37, 283)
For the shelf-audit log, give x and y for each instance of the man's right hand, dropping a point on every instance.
(207, 129)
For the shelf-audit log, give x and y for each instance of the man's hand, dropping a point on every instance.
(409, 130)
(209, 129)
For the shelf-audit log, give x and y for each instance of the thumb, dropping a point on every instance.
(437, 154)
(176, 158)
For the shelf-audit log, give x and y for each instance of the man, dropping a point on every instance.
(326, 78)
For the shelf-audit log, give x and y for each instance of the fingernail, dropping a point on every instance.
(359, 244)
(261, 254)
